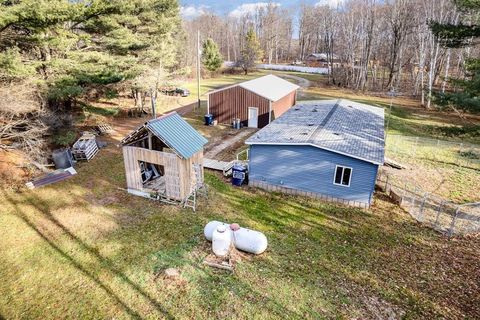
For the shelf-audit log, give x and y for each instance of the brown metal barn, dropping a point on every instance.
(256, 102)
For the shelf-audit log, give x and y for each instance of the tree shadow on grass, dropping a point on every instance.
(345, 242)
(105, 264)
(218, 287)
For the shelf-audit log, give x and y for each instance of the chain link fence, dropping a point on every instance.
(441, 214)
(461, 154)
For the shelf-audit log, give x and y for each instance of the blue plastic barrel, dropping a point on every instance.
(239, 174)
(208, 119)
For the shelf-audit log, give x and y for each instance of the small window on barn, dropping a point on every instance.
(343, 175)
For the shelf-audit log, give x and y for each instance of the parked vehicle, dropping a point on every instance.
(182, 92)
(173, 91)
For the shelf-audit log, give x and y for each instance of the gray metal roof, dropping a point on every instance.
(341, 126)
(175, 132)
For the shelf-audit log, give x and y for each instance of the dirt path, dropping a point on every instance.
(302, 82)
(228, 142)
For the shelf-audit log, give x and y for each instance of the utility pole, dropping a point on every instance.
(198, 69)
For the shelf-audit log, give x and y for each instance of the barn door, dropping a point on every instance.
(253, 117)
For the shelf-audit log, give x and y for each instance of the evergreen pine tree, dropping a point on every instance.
(78, 46)
(211, 57)
(251, 52)
(456, 36)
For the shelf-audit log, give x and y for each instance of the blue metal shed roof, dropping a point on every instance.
(177, 134)
(345, 127)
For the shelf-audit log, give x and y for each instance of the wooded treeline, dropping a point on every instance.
(381, 45)
(54, 53)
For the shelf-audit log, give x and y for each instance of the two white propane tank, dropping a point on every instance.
(244, 239)
(221, 240)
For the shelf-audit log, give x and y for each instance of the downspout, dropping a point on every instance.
(208, 103)
(269, 111)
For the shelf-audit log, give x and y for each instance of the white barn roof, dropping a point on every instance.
(345, 127)
(269, 87)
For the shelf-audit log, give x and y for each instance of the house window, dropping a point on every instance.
(343, 175)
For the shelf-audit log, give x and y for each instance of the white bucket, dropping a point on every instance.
(244, 239)
(221, 240)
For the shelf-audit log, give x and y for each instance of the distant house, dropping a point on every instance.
(325, 149)
(164, 159)
(320, 60)
(256, 102)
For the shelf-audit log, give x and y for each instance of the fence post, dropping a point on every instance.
(414, 197)
(451, 230)
(440, 207)
(422, 206)
(404, 194)
(386, 184)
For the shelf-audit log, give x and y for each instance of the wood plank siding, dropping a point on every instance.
(179, 173)
(279, 107)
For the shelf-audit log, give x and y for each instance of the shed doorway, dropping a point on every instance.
(253, 117)
(153, 176)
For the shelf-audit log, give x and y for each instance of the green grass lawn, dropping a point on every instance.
(83, 248)
(218, 81)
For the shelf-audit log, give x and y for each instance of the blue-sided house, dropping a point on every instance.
(329, 149)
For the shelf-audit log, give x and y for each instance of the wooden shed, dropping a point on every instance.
(164, 159)
(256, 102)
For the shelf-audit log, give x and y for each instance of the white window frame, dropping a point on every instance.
(349, 178)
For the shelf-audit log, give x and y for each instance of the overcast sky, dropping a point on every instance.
(193, 8)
